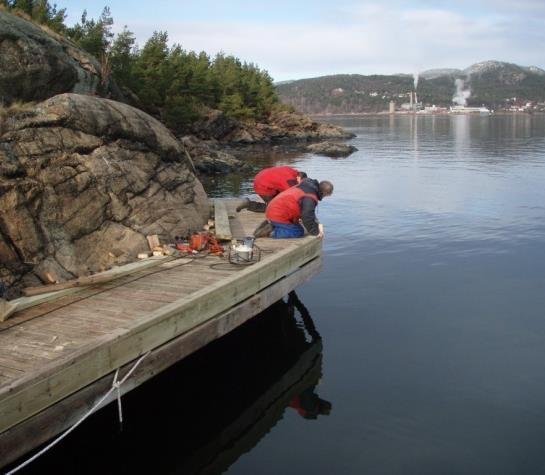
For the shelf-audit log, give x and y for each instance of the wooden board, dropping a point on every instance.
(153, 241)
(50, 422)
(221, 217)
(98, 278)
(44, 304)
(6, 309)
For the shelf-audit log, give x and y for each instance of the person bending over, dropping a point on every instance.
(294, 210)
(268, 183)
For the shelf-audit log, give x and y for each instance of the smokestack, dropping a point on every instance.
(411, 98)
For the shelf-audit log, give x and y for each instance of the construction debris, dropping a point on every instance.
(153, 241)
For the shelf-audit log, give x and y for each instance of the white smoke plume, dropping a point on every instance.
(415, 75)
(461, 95)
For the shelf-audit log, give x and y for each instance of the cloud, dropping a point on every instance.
(375, 38)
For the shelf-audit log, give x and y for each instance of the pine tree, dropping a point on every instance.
(94, 36)
(122, 57)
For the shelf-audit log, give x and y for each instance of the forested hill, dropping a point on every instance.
(494, 84)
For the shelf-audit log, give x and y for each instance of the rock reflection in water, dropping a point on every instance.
(201, 415)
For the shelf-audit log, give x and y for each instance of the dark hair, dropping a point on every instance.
(326, 188)
(302, 175)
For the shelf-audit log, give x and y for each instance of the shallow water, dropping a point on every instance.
(430, 307)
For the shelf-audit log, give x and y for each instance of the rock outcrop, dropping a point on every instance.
(280, 127)
(36, 64)
(209, 159)
(83, 180)
(331, 149)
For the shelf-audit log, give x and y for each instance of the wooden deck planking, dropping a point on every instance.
(149, 310)
(9, 373)
(49, 423)
(69, 321)
(78, 294)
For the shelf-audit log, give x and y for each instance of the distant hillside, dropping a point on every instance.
(494, 84)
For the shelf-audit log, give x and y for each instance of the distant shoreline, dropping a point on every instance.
(365, 114)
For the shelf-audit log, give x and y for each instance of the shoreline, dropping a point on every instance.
(366, 114)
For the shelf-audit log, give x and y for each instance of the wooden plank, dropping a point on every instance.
(50, 422)
(62, 298)
(153, 241)
(99, 278)
(221, 218)
(28, 396)
(6, 309)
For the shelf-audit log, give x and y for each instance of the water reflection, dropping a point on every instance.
(200, 416)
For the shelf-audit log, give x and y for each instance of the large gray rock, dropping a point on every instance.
(332, 149)
(36, 63)
(209, 159)
(83, 180)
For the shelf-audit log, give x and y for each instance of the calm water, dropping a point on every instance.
(431, 311)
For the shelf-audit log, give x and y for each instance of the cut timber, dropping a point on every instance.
(153, 241)
(100, 278)
(6, 309)
(223, 228)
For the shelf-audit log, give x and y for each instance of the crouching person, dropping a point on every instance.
(293, 211)
(268, 183)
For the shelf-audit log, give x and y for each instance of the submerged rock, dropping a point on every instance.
(332, 149)
(83, 180)
(37, 63)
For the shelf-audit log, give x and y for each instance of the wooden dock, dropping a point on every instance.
(57, 359)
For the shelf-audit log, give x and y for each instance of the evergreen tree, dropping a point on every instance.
(94, 36)
(39, 10)
(149, 70)
(123, 54)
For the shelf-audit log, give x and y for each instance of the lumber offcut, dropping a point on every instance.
(223, 228)
(6, 309)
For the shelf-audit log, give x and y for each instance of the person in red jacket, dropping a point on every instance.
(269, 182)
(293, 211)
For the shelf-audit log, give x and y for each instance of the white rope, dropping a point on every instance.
(116, 386)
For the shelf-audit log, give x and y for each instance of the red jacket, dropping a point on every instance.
(286, 207)
(273, 180)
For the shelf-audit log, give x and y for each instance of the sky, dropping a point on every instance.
(310, 38)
